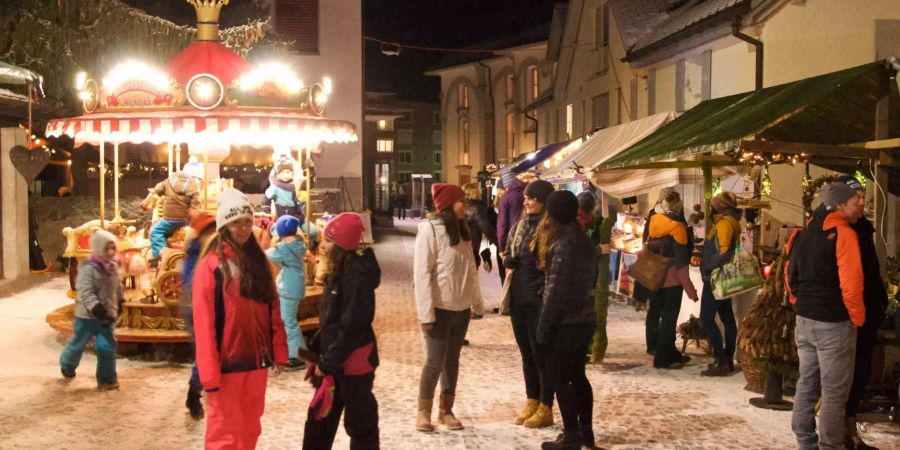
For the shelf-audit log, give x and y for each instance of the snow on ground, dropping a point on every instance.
(636, 406)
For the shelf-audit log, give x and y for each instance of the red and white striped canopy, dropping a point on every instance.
(256, 128)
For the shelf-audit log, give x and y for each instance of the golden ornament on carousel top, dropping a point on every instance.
(208, 18)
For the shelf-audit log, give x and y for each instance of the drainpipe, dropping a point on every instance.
(533, 119)
(736, 32)
(491, 115)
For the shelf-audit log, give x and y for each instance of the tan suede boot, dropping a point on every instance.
(445, 413)
(541, 418)
(423, 416)
(530, 407)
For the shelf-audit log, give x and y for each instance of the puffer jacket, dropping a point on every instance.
(669, 237)
(444, 275)
(510, 211)
(725, 232)
(527, 284)
(569, 280)
(291, 280)
(346, 338)
(232, 333)
(180, 193)
(95, 285)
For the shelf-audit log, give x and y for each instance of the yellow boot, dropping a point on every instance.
(530, 407)
(541, 418)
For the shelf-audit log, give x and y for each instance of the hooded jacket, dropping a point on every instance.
(725, 232)
(98, 282)
(510, 212)
(874, 292)
(346, 338)
(444, 275)
(824, 273)
(291, 280)
(669, 237)
(180, 192)
(232, 333)
(569, 280)
(527, 284)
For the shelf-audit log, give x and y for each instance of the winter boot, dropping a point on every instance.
(852, 440)
(721, 369)
(107, 386)
(541, 418)
(423, 416)
(193, 404)
(588, 441)
(445, 413)
(565, 441)
(530, 407)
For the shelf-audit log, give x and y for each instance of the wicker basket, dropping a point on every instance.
(755, 374)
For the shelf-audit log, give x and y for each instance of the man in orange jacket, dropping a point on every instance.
(825, 279)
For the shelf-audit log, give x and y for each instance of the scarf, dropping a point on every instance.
(108, 266)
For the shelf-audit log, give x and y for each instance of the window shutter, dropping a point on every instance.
(298, 21)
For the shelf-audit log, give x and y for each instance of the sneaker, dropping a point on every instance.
(67, 374)
(563, 442)
(108, 386)
(294, 364)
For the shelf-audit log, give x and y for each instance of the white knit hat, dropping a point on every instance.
(233, 205)
(99, 239)
(193, 167)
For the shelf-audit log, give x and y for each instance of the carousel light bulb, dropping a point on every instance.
(82, 95)
(80, 79)
(205, 91)
(327, 85)
(322, 98)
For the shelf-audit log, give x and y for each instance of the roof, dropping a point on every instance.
(531, 159)
(529, 35)
(833, 109)
(10, 74)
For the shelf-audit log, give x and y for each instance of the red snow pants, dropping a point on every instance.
(233, 419)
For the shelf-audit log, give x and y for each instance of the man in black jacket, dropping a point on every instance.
(875, 299)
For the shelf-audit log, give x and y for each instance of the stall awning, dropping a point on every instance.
(10, 74)
(836, 108)
(529, 160)
(603, 145)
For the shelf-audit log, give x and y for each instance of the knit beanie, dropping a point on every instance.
(586, 201)
(444, 195)
(287, 225)
(193, 168)
(562, 206)
(834, 194)
(346, 230)
(852, 182)
(200, 220)
(675, 205)
(284, 165)
(98, 241)
(233, 205)
(539, 190)
(723, 201)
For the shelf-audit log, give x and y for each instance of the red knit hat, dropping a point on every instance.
(444, 195)
(345, 231)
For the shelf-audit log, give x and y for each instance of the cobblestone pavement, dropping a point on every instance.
(636, 406)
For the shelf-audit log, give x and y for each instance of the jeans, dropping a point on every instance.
(827, 352)
(709, 307)
(537, 384)
(353, 397)
(442, 347)
(667, 304)
(104, 347)
(565, 366)
(866, 339)
(160, 232)
(291, 327)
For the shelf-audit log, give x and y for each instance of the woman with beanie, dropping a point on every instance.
(447, 295)
(718, 250)
(348, 353)
(289, 255)
(479, 226)
(525, 306)
(567, 321)
(669, 237)
(237, 326)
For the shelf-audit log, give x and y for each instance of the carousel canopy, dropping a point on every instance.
(206, 57)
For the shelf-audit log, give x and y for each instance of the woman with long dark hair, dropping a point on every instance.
(348, 353)
(567, 321)
(237, 326)
(447, 295)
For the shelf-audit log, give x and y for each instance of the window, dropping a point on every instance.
(436, 137)
(603, 26)
(437, 158)
(600, 110)
(570, 121)
(385, 125)
(436, 117)
(463, 96)
(405, 136)
(403, 177)
(385, 145)
(510, 89)
(382, 185)
(511, 135)
(436, 177)
(534, 81)
(463, 142)
(298, 21)
(404, 157)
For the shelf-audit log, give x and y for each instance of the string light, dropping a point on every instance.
(718, 186)
(766, 183)
(859, 175)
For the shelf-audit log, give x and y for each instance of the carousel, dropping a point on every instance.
(210, 102)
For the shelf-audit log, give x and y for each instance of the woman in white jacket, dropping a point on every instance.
(447, 295)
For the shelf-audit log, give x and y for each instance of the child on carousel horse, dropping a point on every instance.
(181, 193)
(283, 192)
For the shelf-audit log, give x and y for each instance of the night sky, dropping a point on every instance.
(431, 23)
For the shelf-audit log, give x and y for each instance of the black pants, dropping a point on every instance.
(353, 394)
(662, 318)
(565, 359)
(537, 384)
(401, 213)
(866, 338)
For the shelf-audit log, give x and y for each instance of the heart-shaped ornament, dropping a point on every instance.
(29, 163)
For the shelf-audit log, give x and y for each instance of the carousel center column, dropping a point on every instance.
(211, 157)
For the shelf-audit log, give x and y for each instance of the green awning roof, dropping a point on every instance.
(836, 108)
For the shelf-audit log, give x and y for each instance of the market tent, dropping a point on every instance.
(832, 109)
(529, 160)
(10, 74)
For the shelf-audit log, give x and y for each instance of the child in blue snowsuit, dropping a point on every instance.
(100, 292)
(289, 255)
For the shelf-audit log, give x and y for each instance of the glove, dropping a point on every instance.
(99, 311)
(486, 259)
(310, 375)
(107, 321)
(325, 396)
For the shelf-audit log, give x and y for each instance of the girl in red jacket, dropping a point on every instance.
(237, 325)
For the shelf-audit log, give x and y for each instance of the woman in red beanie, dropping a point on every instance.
(348, 354)
(447, 294)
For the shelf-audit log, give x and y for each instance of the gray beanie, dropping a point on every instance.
(835, 194)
